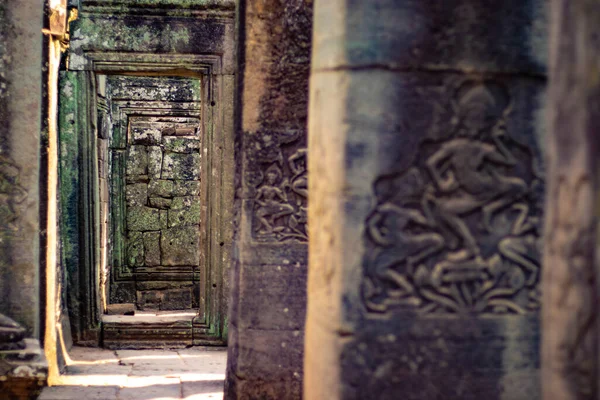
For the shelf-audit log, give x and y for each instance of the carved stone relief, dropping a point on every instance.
(458, 231)
(11, 193)
(281, 197)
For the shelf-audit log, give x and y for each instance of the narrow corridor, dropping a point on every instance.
(97, 374)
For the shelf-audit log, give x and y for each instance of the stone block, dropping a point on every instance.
(257, 355)
(122, 292)
(146, 135)
(152, 248)
(135, 249)
(180, 131)
(181, 144)
(155, 155)
(184, 211)
(180, 246)
(137, 179)
(137, 160)
(177, 299)
(164, 219)
(102, 149)
(160, 202)
(453, 34)
(136, 194)
(148, 299)
(278, 305)
(181, 166)
(120, 309)
(162, 285)
(143, 219)
(160, 188)
(186, 188)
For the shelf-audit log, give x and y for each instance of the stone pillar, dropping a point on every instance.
(426, 196)
(20, 108)
(570, 279)
(23, 369)
(267, 307)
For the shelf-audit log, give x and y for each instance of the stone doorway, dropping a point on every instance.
(156, 282)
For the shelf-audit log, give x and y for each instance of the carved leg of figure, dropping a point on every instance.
(512, 190)
(429, 244)
(285, 210)
(516, 250)
(268, 227)
(462, 230)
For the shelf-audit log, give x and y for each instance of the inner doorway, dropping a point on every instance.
(156, 280)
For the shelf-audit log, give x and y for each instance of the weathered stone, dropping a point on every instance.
(149, 299)
(11, 334)
(136, 194)
(162, 285)
(181, 144)
(154, 162)
(177, 131)
(164, 219)
(177, 299)
(135, 249)
(152, 248)
(185, 211)
(180, 246)
(181, 166)
(146, 135)
(160, 188)
(120, 309)
(186, 188)
(160, 202)
(21, 138)
(137, 160)
(143, 219)
(137, 179)
(265, 344)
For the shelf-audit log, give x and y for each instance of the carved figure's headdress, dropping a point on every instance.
(274, 169)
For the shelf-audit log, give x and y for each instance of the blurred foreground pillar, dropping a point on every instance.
(570, 287)
(426, 185)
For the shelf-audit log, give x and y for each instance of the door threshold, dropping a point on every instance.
(148, 330)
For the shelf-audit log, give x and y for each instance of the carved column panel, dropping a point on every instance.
(426, 199)
(267, 308)
(20, 113)
(23, 367)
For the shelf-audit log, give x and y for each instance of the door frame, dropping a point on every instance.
(210, 326)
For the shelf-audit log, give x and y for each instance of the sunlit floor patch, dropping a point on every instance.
(98, 374)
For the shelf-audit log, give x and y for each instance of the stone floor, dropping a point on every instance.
(96, 374)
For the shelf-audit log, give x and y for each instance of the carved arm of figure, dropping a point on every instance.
(378, 234)
(503, 155)
(281, 194)
(292, 161)
(259, 197)
(439, 168)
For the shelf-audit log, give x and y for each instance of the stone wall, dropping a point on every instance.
(163, 210)
(266, 318)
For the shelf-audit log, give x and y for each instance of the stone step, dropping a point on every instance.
(148, 330)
